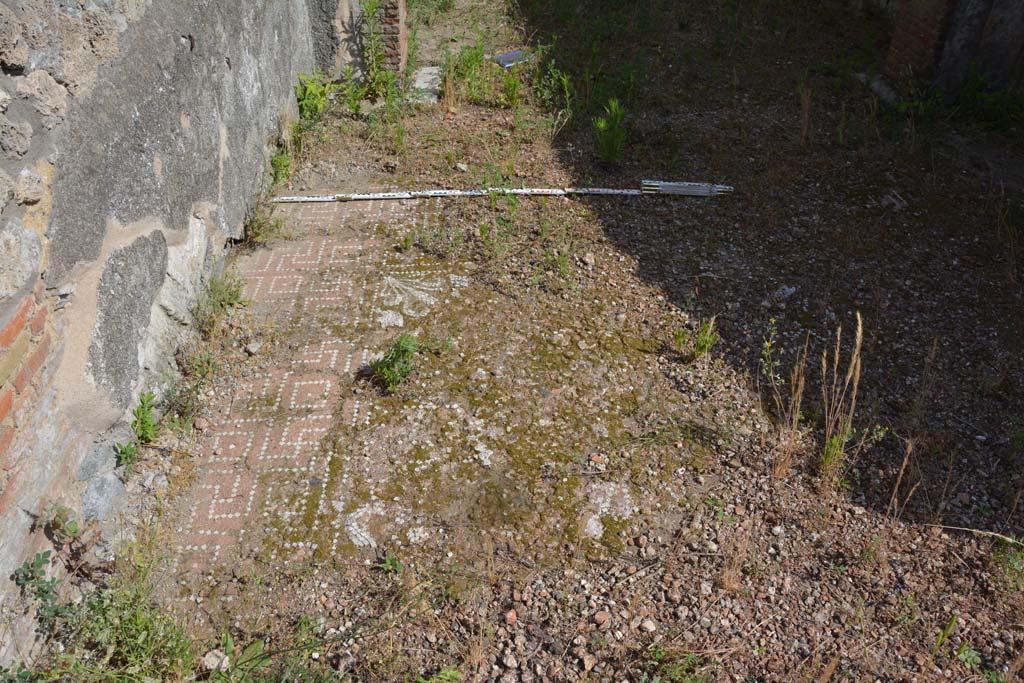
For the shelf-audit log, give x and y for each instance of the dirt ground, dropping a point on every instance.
(564, 490)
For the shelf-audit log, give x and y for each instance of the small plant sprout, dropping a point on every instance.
(127, 453)
(390, 564)
(610, 133)
(968, 656)
(144, 420)
(446, 675)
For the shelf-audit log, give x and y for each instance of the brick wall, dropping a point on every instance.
(395, 34)
(918, 33)
(25, 347)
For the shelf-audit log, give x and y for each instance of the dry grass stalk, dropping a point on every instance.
(735, 553)
(839, 403)
(788, 410)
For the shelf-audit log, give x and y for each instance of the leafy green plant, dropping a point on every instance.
(144, 419)
(380, 81)
(18, 674)
(313, 94)
(397, 364)
(610, 133)
(30, 577)
(243, 664)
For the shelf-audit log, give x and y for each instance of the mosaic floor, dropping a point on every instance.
(266, 464)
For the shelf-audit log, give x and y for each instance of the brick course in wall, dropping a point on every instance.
(25, 348)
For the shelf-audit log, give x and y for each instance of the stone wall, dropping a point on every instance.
(134, 137)
(942, 39)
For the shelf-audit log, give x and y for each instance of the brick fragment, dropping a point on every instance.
(32, 365)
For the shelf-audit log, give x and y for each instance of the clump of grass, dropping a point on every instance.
(610, 133)
(428, 11)
(839, 403)
(223, 293)
(397, 364)
(705, 339)
(261, 225)
(144, 419)
(510, 86)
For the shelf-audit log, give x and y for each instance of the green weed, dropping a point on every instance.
(968, 656)
(244, 664)
(610, 133)
(144, 419)
(397, 364)
(510, 86)
(313, 94)
(1008, 559)
(127, 454)
(61, 524)
(30, 577)
(390, 565)
(280, 166)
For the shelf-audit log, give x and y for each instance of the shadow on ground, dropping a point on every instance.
(840, 206)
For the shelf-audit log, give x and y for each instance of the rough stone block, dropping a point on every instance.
(5, 100)
(20, 252)
(15, 138)
(6, 189)
(128, 287)
(13, 49)
(31, 187)
(101, 495)
(47, 95)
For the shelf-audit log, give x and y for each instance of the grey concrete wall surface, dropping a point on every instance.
(134, 138)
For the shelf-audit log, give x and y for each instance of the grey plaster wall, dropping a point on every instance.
(134, 137)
